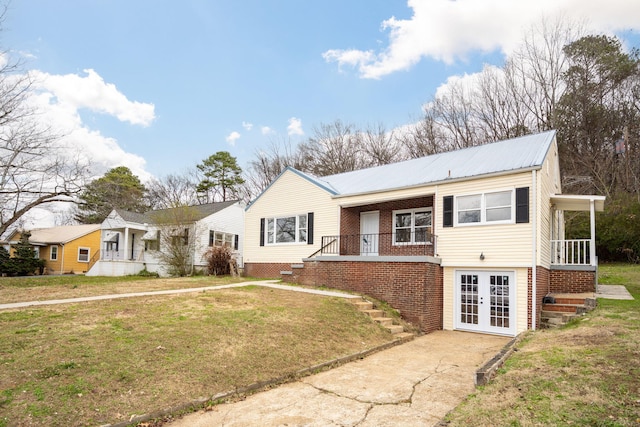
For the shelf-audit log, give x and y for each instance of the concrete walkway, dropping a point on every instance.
(613, 292)
(266, 283)
(413, 384)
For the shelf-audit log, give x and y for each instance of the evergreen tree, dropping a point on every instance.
(25, 261)
(222, 177)
(118, 188)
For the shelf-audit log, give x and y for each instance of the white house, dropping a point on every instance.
(471, 239)
(131, 242)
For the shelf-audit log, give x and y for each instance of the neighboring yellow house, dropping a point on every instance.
(65, 249)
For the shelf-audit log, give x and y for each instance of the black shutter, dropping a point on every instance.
(261, 231)
(522, 205)
(235, 242)
(447, 211)
(310, 228)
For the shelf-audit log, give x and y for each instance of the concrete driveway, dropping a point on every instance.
(413, 384)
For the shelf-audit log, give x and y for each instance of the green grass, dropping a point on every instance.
(585, 374)
(101, 362)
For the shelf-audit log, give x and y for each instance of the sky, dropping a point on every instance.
(158, 86)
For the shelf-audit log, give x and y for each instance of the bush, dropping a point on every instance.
(218, 259)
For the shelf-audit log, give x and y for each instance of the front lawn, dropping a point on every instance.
(103, 362)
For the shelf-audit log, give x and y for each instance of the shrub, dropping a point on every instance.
(218, 259)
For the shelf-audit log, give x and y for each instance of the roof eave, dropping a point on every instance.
(440, 182)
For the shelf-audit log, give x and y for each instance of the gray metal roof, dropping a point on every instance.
(527, 152)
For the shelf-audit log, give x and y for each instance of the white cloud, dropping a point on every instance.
(448, 30)
(247, 126)
(93, 93)
(232, 138)
(60, 112)
(295, 127)
(266, 130)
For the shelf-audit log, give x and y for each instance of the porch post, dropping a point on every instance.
(592, 241)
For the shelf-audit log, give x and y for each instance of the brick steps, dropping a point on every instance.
(559, 309)
(379, 316)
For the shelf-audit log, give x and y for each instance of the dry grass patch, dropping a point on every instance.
(584, 374)
(102, 362)
(38, 288)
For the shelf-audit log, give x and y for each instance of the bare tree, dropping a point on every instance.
(173, 190)
(379, 146)
(334, 148)
(34, 168)
(178, 238)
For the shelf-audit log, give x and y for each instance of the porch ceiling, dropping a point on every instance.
(572, 202)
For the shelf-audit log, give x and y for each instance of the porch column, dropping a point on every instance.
(125, 244)
(592, 241)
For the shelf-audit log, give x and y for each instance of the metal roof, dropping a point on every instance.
(527, 152)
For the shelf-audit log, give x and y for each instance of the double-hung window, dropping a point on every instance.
(83, 254)
(219, 238)
(496, 207)
(53, 254)
(412, 226)
(288, 229)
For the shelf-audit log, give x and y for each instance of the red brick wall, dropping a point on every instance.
(265, 270)
(572, 281)
(350, 217)
(350, 226)
(542, 289)
(414, 289)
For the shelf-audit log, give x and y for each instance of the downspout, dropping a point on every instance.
(534, 256)
(62, 260)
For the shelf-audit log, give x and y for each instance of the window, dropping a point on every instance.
(53, 253)
(412, 226)
(219, 238)
(83, 254)
(485, 208)
(290, 229)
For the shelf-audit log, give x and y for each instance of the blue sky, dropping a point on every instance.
(158, 86)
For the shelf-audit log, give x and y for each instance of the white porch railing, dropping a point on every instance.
(121, 256)
(571, 252)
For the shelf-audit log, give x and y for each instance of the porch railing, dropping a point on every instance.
(571, 252)
(121, 256)
(418, 243)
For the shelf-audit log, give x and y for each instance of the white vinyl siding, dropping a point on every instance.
(290, 195)
(548, 183)
(503, 245)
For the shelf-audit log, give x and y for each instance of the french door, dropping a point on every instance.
(485, 301)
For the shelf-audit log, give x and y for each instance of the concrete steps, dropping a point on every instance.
(559, 309)
(379, 316)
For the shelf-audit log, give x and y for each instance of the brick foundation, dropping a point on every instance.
(542, 288)
(572, 281)
(415, 289)
(265, 270)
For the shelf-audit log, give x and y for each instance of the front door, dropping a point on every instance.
(485, 301)
(369, 229)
